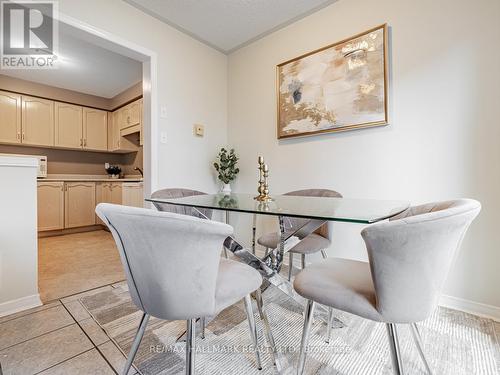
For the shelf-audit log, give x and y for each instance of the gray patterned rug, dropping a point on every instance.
(456, 343)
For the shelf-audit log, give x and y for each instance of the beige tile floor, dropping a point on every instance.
(58, 338)
(74, 263)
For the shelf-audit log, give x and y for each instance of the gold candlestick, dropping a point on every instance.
(263, 188)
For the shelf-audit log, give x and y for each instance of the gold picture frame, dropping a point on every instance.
(339, 87)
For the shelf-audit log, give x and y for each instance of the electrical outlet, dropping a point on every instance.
(199, 130)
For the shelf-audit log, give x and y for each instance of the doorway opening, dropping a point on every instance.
(101, 100)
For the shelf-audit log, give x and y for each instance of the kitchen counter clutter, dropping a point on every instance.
(91, 178)
(66, 203)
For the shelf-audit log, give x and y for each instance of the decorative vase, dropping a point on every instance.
(226, 189)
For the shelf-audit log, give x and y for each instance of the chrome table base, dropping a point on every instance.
(269, 267)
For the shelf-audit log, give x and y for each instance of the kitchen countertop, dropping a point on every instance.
(89, 178)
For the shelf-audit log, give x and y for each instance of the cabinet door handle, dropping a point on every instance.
(128, 119)
(22, 137)
(85, 142)
(18, 135)
(81, 142)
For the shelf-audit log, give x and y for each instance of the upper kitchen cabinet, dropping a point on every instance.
(68, 125)
(37, 121)
(135, 113)
(116, 142)
(130, 118)
(10, 117)
(95, 129)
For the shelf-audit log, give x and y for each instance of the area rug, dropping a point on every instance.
(456, 343)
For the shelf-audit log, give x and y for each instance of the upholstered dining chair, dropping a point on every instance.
(173, 193)
(203, 213)
(317, 241)
(409, 259)
(174, 271)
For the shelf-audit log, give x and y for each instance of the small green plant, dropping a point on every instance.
(226, 165)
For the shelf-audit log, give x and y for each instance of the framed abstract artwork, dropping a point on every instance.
(339, 87)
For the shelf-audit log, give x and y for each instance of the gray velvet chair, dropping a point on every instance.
(173, 193)
(409, 259)
(317, 241)
(202, 213)
(174, 271)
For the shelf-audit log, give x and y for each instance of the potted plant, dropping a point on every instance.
(113, 170)
(226, 168)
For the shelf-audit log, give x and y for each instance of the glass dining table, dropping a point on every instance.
(313, 212)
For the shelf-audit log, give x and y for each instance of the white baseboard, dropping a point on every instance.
(471, 307)
(24, 303)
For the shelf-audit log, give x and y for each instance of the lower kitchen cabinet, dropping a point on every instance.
(133, 194)
(64, 205)
(50, 206)
(79, 205)
(108, 192)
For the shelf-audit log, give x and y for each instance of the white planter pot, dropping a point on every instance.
(226, 189)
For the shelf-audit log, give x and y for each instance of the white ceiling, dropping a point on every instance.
(229, 24)
(86, 67)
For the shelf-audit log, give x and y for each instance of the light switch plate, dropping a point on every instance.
(199, 130)
(163, 137)
(163, 111)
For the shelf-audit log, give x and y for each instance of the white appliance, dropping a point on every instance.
(42, 163)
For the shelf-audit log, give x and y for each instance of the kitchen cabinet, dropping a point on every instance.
(50, 206)
(10, 117)
(68, 125)
(37, 116)
(131, 118)
(133, 194)
(123, 117)
(95, 129)
(108, 192)
(116, 142)
(79, 204)
(135, 113)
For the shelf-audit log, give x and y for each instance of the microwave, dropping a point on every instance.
(42, 163)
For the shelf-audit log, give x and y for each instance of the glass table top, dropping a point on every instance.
(321, 208)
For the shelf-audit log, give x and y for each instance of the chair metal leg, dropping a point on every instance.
(397, 364)
(267, 252)
(253, 329)
(136, 343)
(254, 230)
(303, 259)
(190, 346)
(305, 336)
(290, 266)
(418, 342)
(324, 254)
(202, 326)
(329, 323)
(267, 329)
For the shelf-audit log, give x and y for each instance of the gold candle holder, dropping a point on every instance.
(263, 188)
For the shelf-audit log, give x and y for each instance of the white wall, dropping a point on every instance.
(18, 235)
(192, 83)
(443, 141)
